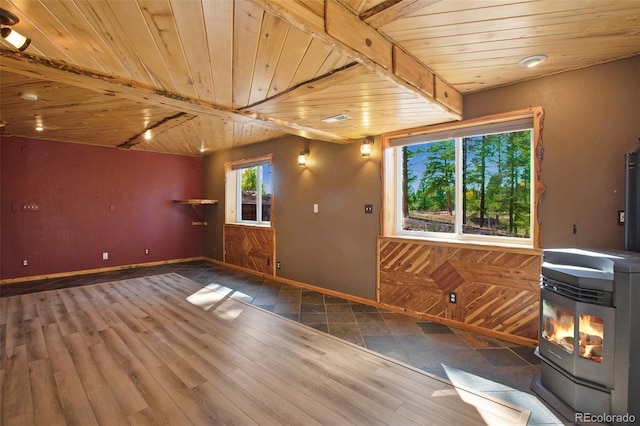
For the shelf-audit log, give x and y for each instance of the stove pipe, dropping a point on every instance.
(632, 200)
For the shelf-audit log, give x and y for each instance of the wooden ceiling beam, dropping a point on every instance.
(158, 127)
(342, 28)
(327, 80)
(390, 10)
(44, 69)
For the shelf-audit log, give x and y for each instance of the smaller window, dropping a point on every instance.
(248, 192)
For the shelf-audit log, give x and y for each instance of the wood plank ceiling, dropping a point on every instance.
(216, 74)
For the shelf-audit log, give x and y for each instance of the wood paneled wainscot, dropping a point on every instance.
(250, 247)
(496, 289)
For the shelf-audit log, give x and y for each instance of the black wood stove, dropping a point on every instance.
(589, 340)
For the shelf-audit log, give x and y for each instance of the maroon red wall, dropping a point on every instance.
(92, 200)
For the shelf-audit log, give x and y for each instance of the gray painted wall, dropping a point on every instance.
(334, 248)
(592, 118)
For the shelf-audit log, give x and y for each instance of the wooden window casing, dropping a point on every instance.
(232, 185)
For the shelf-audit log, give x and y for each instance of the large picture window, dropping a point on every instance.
(248, 192)
(473, 183)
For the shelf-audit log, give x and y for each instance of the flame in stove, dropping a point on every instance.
(591, 337)
(558, 327)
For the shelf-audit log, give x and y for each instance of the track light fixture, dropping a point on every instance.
(12, 37)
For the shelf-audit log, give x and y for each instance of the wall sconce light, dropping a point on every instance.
(12, 37)
(302, 158)
(366, 147)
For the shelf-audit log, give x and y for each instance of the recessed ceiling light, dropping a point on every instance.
(335, 118)
(532, 61)
(28, 96)
(39, 126)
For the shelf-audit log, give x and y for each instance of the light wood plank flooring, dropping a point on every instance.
(165, 350)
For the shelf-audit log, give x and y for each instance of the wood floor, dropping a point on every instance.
(165, 350)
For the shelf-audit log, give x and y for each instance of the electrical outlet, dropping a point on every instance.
(277, 265)
(368, 208)
(453, 297)
(25, 262)
(146, 251)
(105, 256)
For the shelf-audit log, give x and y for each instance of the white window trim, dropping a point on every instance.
(233, 192)
(392, 183)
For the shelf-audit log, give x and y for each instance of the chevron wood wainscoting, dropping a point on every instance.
(496, 289)
(250, 247)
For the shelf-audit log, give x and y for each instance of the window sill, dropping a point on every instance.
(452, 242)
(250, 225)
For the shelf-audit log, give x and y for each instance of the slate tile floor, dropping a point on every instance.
(493, 366)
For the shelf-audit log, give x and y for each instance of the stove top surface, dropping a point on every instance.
(592, 262)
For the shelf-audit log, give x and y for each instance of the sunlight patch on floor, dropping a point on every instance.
(212, 297)
(444, 392)
(540, 414)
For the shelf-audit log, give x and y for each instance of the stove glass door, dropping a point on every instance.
(558, 325)
(591, 332)
(578, 337)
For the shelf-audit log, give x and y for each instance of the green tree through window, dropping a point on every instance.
(255, 205)
(494, 185)
(249, 179)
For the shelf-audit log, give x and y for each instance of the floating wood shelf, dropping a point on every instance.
(193, 202)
